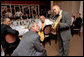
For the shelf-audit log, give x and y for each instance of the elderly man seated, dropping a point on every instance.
(30, 44)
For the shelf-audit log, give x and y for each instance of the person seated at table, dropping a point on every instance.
(5, 27)
(76, 23)
(14, 17)
(44, 22)
(25, 16)
(18, 14)
(30, 44)
(8, 14)
(36, 16)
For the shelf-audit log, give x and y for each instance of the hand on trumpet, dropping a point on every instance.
(58, 26)
(53, 31)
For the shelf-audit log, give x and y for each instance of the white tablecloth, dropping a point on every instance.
(20, 29)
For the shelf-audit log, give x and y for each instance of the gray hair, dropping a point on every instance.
(31, 25)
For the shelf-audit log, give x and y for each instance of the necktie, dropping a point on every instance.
(42, 26)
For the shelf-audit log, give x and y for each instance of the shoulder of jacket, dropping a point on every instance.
(65, 12)
(36, 36)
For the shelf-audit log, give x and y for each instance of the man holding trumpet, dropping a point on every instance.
(62, 30)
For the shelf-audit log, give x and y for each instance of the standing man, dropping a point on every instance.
(63, 30)
(30, 44)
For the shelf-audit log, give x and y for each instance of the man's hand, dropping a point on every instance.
(41, 44)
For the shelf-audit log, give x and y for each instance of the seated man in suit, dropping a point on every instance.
(30, 44)
(6, 33)
(44, 22)
(77, 23)
(5, 25)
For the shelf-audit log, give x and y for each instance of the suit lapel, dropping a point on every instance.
(62, 20)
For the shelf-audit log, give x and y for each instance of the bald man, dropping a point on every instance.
(5, 25)
(5, 29)
(43, 22)
(63, 30)
(7, 21)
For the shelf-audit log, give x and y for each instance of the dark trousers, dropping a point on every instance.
(54, 37)
(75, 31)
(46, 40)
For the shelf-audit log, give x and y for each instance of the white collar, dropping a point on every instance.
(60, 12)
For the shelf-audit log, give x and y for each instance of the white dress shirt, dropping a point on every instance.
(9, 14)
(18, 14)
(60, 12)
(47, 22)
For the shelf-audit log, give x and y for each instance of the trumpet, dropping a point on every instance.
(54, 26)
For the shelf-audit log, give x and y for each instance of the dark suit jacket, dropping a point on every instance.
(4, 31)
(77, 22)
(64, 27)
(30, 46)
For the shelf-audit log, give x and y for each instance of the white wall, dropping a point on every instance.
(81, 8)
